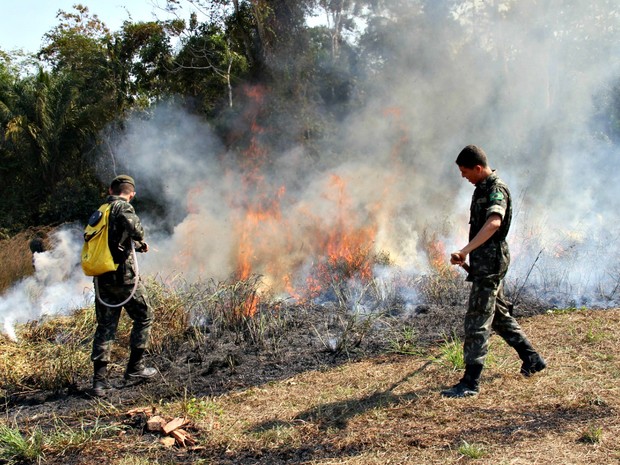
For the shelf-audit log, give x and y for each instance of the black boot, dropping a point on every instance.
(468, 385)
(136, 369)
(532, 361)
(100, 380)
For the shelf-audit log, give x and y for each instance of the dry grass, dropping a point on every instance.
(53, 354)
(387, 410)
(381, 410)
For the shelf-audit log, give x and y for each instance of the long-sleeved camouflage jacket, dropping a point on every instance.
(124, 227)
(492, 258)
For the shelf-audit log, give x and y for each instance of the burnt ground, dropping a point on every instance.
(304, 339)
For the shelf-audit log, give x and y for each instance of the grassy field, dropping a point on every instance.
(383, 409)
(308, 384)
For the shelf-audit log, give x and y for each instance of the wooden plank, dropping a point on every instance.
(174, 424)
(182, 437)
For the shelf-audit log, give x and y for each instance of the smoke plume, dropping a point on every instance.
(526, 80)
(57, 286)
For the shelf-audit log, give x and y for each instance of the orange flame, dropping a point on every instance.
(341, 249)
(258, 211)
(438, 257)
(345, 249)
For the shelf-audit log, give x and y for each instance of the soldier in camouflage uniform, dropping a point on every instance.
(116, 286)
(490, 217)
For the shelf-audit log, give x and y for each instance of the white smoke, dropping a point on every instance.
(520, 78)
(57, 286)
(517, 78)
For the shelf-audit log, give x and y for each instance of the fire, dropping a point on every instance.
(260, 207)
(438, 257)
(345, 250)
(336, 248)
(437, 254)
(257, 225)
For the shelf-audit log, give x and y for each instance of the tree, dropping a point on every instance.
(48, 130)
(143, 58)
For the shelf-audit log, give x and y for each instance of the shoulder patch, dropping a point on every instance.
(496, 196)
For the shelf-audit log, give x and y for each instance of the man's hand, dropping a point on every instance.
(142, 247)
(491, 225)
(458, 258)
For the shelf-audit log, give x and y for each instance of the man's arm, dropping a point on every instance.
(131, 222)
(489, 228)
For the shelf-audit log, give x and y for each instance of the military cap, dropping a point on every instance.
(123, 178)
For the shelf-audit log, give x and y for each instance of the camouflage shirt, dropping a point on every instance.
(125, 226)
(492, 258)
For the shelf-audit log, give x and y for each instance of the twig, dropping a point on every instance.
(516, 300)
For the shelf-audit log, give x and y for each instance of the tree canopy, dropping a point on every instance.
(56, 108)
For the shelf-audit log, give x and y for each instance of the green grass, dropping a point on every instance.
(66, 438)
(451, 353)
(471, 450)
(16, 448)
(592, 435)
(405, 342)
(200, 408)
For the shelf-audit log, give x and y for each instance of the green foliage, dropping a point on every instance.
(16, 448)
(471, 450)
(592, 435)
(208, 66)
(562, 311)
(451, 353)
(199, 409)
(73, 198)
(66, 438)
(406, 342)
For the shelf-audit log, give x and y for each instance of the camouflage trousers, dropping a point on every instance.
(488, 309)
(138, 309)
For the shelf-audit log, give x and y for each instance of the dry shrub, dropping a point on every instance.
(445, 283)
(171, 308)
(53, 353)
(335, 272)
(444, 286)
(239, 308)
(16, 257)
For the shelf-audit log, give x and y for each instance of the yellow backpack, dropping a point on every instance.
(96, 256)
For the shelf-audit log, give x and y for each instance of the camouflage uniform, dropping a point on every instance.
(488, 308)
(115, 286)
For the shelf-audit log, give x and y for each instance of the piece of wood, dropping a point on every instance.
(167, 441)
(174, 424)
(182, 437)
(155, 423)
(145, 410)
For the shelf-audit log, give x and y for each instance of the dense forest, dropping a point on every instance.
(62, 109)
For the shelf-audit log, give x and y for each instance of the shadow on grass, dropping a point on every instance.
(505, 429)
(322, 446)
(495, 425)
(338, 414)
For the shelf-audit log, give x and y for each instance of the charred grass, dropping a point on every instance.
(266, 388)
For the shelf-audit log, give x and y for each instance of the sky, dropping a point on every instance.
(23, 23)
